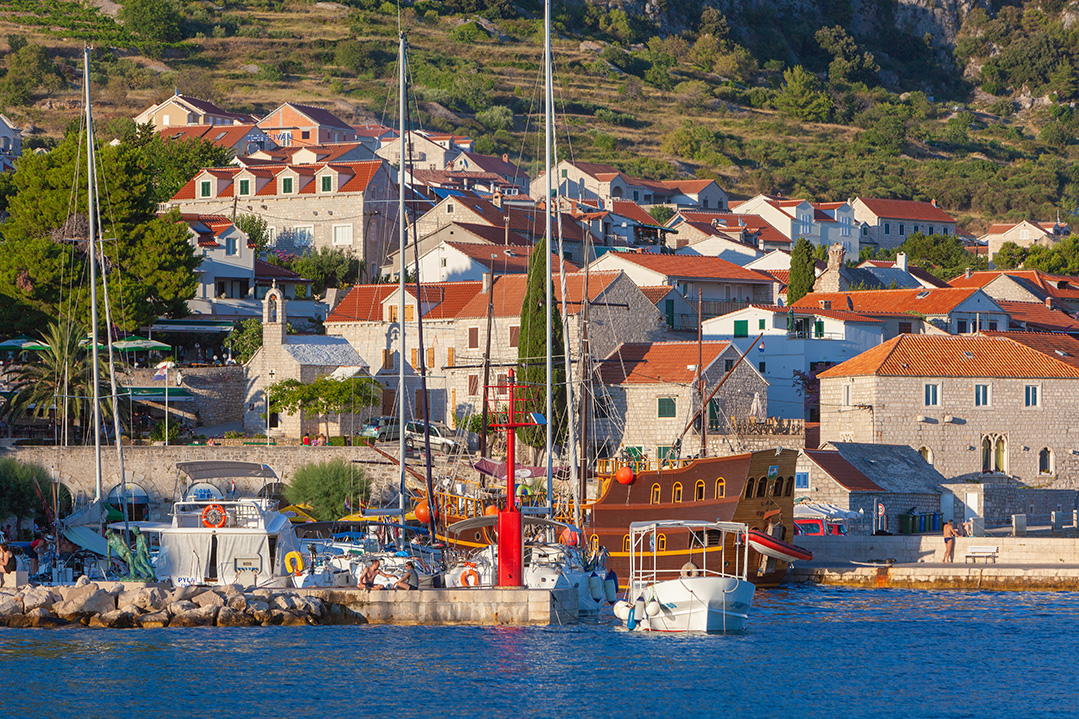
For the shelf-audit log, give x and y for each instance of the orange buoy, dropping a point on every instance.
(624, 475)
(422, 512)
(491, 510)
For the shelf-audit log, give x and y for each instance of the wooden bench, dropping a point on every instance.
(975, 553)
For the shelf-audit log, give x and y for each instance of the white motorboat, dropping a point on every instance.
(547, 565)
(712, 596)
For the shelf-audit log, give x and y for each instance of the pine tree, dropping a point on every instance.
(532, 352)
(802, 271)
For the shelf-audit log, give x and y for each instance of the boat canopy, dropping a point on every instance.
(205, 470)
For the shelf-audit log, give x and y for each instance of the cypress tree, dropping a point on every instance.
(532, 352)
(802, 271)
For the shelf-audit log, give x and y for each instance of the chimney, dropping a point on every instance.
(1048, 302)
(505, 157)
(496, 198)
(485, 287)
(967, 273)
(825, 304)
(901, 261)
(933, 202)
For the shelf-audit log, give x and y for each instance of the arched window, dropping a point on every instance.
(676, 493)
(698, 490)
(625, 542)
(661, 543)
(655, 495)
(790, 487)
(927, 454)
(721, 488)
(777, 488)
(762, 487)
(994, 453)
(750, 484)
(1045, 461)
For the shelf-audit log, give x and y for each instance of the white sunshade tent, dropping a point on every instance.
(822, 510)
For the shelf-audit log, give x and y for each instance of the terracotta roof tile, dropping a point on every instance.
(842, 471)
(687, 186)
(658, 362)
(1057, 286)
(906, 210)
(989, 355)
(695, 267)
(924, 301)
(844, 315)
(633, 211)
(363, 303)
(1035, 315)
(1061, 346)
(656, 293)
(509, 293)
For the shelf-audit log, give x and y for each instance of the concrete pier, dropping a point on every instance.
(440, 607)
(915, 562)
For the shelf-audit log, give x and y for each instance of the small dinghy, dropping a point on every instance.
(777, 548)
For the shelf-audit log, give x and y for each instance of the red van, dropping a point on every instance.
(818, 528)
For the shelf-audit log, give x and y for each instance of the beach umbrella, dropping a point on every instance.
(134, 343)
(22, 342)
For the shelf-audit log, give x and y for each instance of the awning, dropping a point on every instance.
(213, 469)
(191, 326)
(489, 522)
(157, 394)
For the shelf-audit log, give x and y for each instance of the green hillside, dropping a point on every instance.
(815, 101)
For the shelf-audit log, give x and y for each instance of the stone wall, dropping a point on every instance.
(218, 391)
(154, 468)
(930, 548)
(996, 502)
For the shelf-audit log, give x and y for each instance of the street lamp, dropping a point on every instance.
(268, 408)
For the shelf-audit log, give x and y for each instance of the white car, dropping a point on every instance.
(443, 438)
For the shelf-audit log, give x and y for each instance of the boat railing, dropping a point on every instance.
(459, 505)
(607, 468)
(239, 514)
(649, 543)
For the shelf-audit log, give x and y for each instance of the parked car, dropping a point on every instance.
(382, 428)
(442, 437)
(818, 527)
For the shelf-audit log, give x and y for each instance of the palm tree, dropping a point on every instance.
(60, 379)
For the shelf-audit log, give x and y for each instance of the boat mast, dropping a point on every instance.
(564, 319)
(91, 246)
(700, 375)
(548, 132)
(401, 278)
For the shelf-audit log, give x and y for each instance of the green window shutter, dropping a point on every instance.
(286, 185)
(245, 187)
(666, 407)
(741, 328)
(327, 183)
(760, 324)
(818, 328)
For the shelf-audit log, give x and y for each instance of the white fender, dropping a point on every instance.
(621, 610)
(653, 608)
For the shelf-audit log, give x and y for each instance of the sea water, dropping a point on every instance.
(809, 652)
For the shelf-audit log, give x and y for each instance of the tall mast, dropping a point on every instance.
(401, 399)
(91, 246)
(548, 134)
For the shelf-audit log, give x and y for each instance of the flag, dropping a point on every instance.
(160, 374)
(348, 504)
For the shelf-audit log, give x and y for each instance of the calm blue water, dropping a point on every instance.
(810, 652)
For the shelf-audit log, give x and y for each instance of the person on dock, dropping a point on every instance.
(949, 542)
(7, 558)
(410, 579)
(373, 572)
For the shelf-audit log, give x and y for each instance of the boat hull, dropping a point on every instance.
(777, 548)
(698, 604)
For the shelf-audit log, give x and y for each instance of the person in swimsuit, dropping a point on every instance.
(949, 542)
(367, 579)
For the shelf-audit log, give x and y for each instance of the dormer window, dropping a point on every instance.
(327, 183)
(245, 187)
(204, 188)
(286, 185)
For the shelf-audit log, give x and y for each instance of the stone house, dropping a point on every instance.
(747, 228)
(295, 124)
(605, 183)
(368, 319)
(496, 239)
(180, 110)
(724, 286)
(1027, 233)
(1059, 291)
(425, 152)
(469, 261)
(306, 154)
(648, 393)
(823, 224)
(993, 403)
(10, 144)
(951, 310)
(499, 166)
(343, 205)
(888, 223)
(857, 477)
(901, 273)
(305, 358)
(678, 312)
(617, 312)
(701, 239)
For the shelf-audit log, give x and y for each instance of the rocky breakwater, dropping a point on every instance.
(128, 605)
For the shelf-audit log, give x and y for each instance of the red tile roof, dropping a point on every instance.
(361, 174)
(695, 267)
(927, 301)
(906, 210)
(990, 355)
(658, 362)
(687, 186)
(319, 115)
(1035, 315)
(633, 211)
(266, 273)
(656, 293)
(1063, 347)
(1057, 286)
(363, 303)
(490, 163)
(227, 136)
(753, 223)
(842, 471)
(509, 293)
(495, 235)
(844, 315)
(514, 263)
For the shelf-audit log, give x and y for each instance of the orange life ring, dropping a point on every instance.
(214, 516)
(470, 572)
